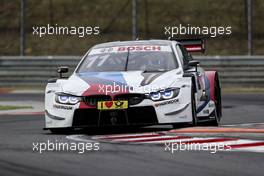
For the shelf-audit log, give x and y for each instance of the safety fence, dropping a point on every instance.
(237, 71)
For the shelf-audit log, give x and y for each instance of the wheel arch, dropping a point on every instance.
(215, 89)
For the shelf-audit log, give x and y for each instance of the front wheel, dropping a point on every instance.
(61, 130)
(193, 104)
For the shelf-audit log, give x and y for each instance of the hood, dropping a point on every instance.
(119, 82)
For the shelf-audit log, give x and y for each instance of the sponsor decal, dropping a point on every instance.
(166, 102)
(62, 107)
(110, 105)
(132, 48)
(106, 50)
(182, 117)
(139, 48)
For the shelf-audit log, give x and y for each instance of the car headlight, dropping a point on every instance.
(164, 94)
(67, 99)
(167, 94)
(155, 96)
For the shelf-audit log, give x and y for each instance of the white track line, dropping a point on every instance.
(159, 138)
(79, 138)
(251, 149)
(190, 140)
(123, 135)
(155, 138)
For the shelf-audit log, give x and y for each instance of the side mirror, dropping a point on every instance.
(61, 70)
(193, 63)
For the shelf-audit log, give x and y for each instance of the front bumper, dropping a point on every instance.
(143, 112)
(127, 117)
(168, 112)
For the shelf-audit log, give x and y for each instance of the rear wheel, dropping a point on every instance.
(218, 104)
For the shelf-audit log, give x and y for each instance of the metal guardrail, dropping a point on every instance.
(36, 70)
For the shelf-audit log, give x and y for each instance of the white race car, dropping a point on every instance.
(147, 82)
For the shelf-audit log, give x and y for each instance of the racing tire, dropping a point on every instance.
(193, 104)
(218, 102)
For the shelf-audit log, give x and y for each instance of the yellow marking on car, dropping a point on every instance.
(110, 105)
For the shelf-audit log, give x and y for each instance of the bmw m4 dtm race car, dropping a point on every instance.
(134, 83)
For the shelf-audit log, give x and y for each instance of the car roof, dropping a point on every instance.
(133, 42)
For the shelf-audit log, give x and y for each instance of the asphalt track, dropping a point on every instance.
(19, 132)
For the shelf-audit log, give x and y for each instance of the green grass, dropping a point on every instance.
(7, 107)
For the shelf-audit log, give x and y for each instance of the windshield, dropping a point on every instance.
(129, 58)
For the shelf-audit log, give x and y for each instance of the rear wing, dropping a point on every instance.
(193, 45)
